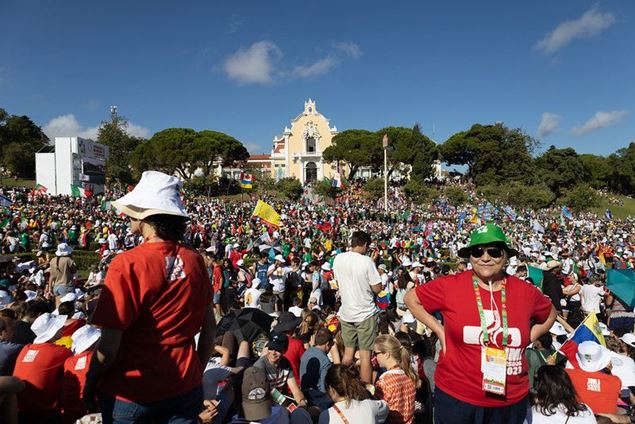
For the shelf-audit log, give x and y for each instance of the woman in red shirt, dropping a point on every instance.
(488, 319)
(156, 298)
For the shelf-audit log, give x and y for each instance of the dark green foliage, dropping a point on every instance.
(518, 195)
(20, 139)
(290, 187)
(622, 166)
(419, 192)
(325, 189)
(597, 169)
(581, 198)
(560, 169)
(456, 195)
(355, 148)
(374, 188)
(120, 146)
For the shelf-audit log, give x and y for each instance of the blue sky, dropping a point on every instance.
(561, 70)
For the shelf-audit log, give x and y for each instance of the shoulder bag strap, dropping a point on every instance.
(340, 413)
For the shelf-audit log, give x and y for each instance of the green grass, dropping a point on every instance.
(10, 182)
(621, 212)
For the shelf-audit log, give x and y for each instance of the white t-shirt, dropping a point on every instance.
(252, 298)
(583, 417)
(277, 278)
(591, 297)
(358, 411)
(355, 274)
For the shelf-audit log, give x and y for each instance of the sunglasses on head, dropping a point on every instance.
(493, 252)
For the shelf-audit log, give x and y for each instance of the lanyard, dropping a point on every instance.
(479, 304)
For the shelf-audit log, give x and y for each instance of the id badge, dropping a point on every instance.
(495, 371)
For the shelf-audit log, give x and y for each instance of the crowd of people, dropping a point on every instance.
(188, 310)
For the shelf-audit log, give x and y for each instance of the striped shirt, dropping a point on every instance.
(398, 391)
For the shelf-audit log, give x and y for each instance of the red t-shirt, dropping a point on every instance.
(293, 355)
(41, 367)
(157, 358)
(599, 390)
(75, 369)
(72, 325)
(459, 372)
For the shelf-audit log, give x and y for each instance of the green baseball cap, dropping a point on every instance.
(487, 234)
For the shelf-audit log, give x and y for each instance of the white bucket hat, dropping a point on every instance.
(280, 258)
(558, 329)
(629, 339)
(68, 297)
(84, 337)
(156, 193)
(63, 249)
(46, 327)
(30, 295)
(416, 264)
(406, 262)
(326, 266)
(592, 356)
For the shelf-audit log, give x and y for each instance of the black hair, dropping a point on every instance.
(346, 382)
(360, 238)
(168, 227)
(554, 388)
(67, 308)
(546, 340)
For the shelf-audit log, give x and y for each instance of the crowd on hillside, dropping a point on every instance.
(193, 310)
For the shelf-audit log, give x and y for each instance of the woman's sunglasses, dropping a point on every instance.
(493, 252)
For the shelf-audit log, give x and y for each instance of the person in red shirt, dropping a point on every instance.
(75, 369)
(287, 324)
(41, 366)
(72, 324)
(481, 376)
(593, 381)
(217, 285)
(156, 298)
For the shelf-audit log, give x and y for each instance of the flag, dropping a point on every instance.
(608, 214)
(588, 331)
(266, 212)
(324, 227)
(246, 180)
(511, 213)
(566, 212)
(537, 227)
(40, 188)
(621, 282)
(601, 257)
(5, 202)
(336, 183)
(475, 219)
(536, 275)
(75, 191)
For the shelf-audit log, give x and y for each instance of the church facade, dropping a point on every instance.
(297, 153)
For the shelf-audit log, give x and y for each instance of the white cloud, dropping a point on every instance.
(351, 49)
(600, 120)
(254, 65)
(68, 126)
(320, 67)
(591, 23)
(548, 124)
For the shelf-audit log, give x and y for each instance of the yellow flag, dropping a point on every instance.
(265, 212)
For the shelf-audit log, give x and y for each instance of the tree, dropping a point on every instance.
(120, 144)
(212, 147)
(20, 139)
(170, 151)
(419, 193)
(622, 165)
(518, 195)
(374, 188)
(597, 170)
(493, 153)
(560, 169)
(325, 189)
(456, 195)
(581, 198)
(410, 147)
(290, 187)
(357, 148)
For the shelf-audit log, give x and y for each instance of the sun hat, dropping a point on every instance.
(382, 267)
(30, 295)
(326, 266)
(629, 339)
(102, 241)
(280, 258)
(46, 326)
(406, 262)
(240, 262)
(63, 249)
(487, 234)
(558, 329)
(279, 342)
(84, 337)
(256, 394)
(287, 321)
(416, 264)
(68, 297)
(156, 193)
(604, 329)
(592, 356)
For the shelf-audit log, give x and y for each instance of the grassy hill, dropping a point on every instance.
(10, 182)
(627, 209)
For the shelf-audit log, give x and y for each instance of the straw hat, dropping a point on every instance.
(156, 193)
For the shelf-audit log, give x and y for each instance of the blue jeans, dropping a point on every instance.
(182, 409)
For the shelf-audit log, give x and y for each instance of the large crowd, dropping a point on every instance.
(153, 306)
